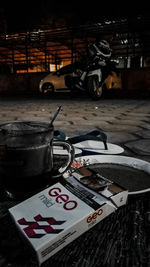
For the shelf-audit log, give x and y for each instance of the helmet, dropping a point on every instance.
(104, 49)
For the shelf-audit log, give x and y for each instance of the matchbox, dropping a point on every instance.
(94, 181)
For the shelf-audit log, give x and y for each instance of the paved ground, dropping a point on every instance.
(125, 121)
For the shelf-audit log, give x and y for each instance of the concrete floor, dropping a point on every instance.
(125, 121)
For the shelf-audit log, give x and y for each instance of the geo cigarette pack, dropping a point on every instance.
(59, 214)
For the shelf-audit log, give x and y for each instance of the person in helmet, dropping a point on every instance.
(98, 54)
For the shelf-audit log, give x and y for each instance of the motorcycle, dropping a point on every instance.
(92, 78)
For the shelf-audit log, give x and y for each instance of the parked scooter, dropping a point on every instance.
(91, 74)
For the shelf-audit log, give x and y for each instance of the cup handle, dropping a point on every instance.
(71, 154)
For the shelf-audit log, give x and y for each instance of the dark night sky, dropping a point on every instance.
(27, 14)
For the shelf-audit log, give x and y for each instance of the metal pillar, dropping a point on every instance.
(13, 60)
(27, 55)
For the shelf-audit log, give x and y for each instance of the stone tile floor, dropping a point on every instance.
(125, 121)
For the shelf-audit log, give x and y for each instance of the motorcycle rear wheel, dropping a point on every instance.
(94, 88)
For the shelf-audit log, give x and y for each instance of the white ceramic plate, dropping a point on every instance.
(112, 159)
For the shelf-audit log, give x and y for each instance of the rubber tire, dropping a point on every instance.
(94, 89)
(47, 89)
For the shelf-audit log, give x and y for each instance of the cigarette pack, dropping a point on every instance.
(56, 216)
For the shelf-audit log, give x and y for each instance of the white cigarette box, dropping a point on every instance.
(59, 214)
